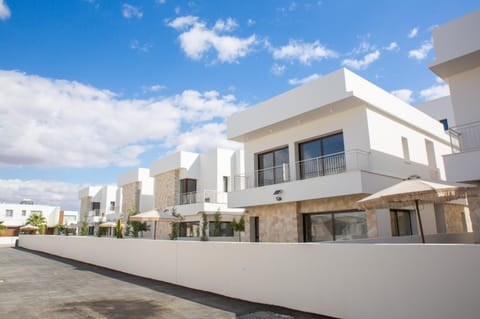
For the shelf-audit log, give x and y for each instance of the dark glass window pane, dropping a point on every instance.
(321, 227)
(281, 157)
(351, 225)
(401, 222)
(265, 160)
(332, 144)
(271, 169)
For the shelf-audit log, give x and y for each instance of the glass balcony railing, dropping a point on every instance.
(465, 138)
(206, 196)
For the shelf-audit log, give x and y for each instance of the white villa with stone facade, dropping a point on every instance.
(190, 184)
(97, 205)
(311, 153)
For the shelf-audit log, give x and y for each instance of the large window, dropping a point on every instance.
(188, 191)
(226, 229)
(96, 208)
(189, 229)
(9, 213)
(401, 222)
(323, 156)
(112, 205)
(335, 226)
(272, 167)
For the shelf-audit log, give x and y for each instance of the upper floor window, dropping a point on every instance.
(188, 191)
(112, 205)
(96, 206)
(272, 167)
(9, 213)
(445, 124)
(225, 183)
(24, 213)
(322, 156)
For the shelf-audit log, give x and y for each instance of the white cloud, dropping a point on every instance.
(129, 11)
(153, 88)
(392, 46)
(363, 63)
(43, 192)
(304, 80)
(413, 33)
(405, 95)
(204, 138)
(435, 91)
(161, 1)
(303, 52)
(251, 22)
(4, 10)
(140, 47)
(47, 122)
(178, 10)
(278, 69)
(197, 39)
(422, 52)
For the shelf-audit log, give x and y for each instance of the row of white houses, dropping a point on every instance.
(311, 153)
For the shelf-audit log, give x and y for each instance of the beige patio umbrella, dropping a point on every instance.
(29, 227)
(154, 215)
(414, 190)
(108, 224)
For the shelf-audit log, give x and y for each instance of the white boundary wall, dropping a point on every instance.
(366, 281)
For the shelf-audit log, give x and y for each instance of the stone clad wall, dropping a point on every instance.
(130, 196)
(167, 188)
(454, 218)
(283, 222)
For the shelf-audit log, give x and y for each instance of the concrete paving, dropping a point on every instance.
(37, 285)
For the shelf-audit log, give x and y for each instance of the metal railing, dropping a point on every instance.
(320, 166)
(206, 196)
(465, 138)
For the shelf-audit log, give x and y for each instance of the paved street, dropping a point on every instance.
(37, 285)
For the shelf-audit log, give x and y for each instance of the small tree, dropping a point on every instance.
(36, 220)
(2, 227)
(119, 229)
(217, 219)
(84, 226)
(238, 226)
(175, 225)
(204, 227)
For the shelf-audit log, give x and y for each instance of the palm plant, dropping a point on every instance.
(2, 227)
(36, 220)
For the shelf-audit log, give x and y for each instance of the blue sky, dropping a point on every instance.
(90, 89)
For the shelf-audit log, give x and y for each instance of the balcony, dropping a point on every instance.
(95, 216)
(465, 142)
(465, 138)
(206, 196)
(315, 167)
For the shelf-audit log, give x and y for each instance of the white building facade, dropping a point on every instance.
(457, 49)
(15, 215)
(97, 205)
(314, 151)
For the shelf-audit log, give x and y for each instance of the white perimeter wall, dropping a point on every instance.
(365, 281)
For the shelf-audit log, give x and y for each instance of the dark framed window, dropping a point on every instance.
(272, 167)
(226, 229)
(189, 229)
(345, 225)
(401, 222)
(112, 205)
(9, 213)
(188, 191)
(322, 156)
(445, 124)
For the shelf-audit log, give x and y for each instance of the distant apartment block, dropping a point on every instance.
(312, 152)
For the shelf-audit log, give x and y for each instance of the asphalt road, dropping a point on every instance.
(37, 285)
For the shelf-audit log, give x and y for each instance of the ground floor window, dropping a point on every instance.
(189, 229)
(401, 222)
(224, 229)
(91, 230)
(345, 225)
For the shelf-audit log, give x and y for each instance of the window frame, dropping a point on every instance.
(260, 169)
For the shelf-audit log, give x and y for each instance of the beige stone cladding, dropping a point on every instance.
(455, 218)
(85, 205)
(163, 230)
(167, 188)
(130, 196)
(284, 222)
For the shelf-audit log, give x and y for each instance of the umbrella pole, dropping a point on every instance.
(155, 230)
(419, 221)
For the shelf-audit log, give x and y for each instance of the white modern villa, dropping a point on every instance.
(190, 184)
(311, 153)
(15, 215)
(457, 49)
(97, 205)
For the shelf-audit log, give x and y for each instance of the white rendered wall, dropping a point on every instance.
(360, 281)
(439, 109)
(465, 91)
(51, 214)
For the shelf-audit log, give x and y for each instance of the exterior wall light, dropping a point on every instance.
(278, 194)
